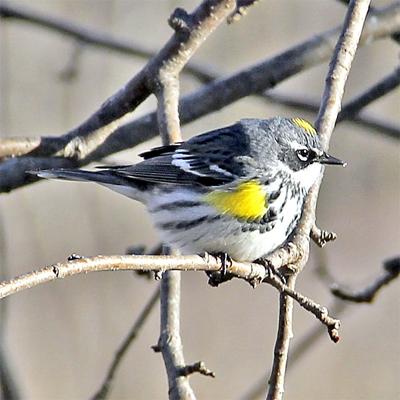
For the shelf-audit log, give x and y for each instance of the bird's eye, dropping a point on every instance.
(303, 154)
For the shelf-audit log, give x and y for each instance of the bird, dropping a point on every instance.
(238, 190)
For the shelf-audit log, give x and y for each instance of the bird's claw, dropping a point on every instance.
(215, 278)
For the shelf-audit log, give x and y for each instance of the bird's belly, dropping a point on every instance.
(194, 229)
(224, 234)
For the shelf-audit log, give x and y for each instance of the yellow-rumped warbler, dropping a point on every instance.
(237, 190)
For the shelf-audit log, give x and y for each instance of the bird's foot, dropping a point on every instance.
(215, 278)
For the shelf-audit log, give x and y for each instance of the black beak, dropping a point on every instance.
(325, 158)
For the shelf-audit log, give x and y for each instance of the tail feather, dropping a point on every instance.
(78, 175)
(122, 185)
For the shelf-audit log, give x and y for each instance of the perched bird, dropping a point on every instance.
(237, 190)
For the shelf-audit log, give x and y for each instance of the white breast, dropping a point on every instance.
(222, 234)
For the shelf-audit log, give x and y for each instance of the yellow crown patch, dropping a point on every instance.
(302, 123)
(247, 200)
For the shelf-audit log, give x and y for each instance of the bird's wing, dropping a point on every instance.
(210, 159)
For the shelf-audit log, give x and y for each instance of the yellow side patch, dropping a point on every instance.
(247, 201)
(302, 123)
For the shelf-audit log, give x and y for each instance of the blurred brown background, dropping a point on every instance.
(61, 337)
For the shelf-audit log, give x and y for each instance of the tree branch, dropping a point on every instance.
(105, 388)
(330, 106)
(170, 343)
(253, 273)
(391, 270)
(166, 84)
(281, 350)
(87, 143)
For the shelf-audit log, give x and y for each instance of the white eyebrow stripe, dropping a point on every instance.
(297, 146)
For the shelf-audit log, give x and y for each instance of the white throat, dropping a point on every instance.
(305, 177)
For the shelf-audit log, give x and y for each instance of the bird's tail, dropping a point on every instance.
(76, 175)
(127, 187)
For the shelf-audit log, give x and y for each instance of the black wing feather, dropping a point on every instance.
(208, 159)
(160, 151)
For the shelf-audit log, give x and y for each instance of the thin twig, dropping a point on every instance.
(85, 144)
(281, 351)
(170, 343)
(320, 312)
(242, 8)
(199, 367)
(105, 388)
(253, 273)
(330, 106)
(391, 270)
(321, 237)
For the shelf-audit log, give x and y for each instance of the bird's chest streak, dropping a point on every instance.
(259, 208)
